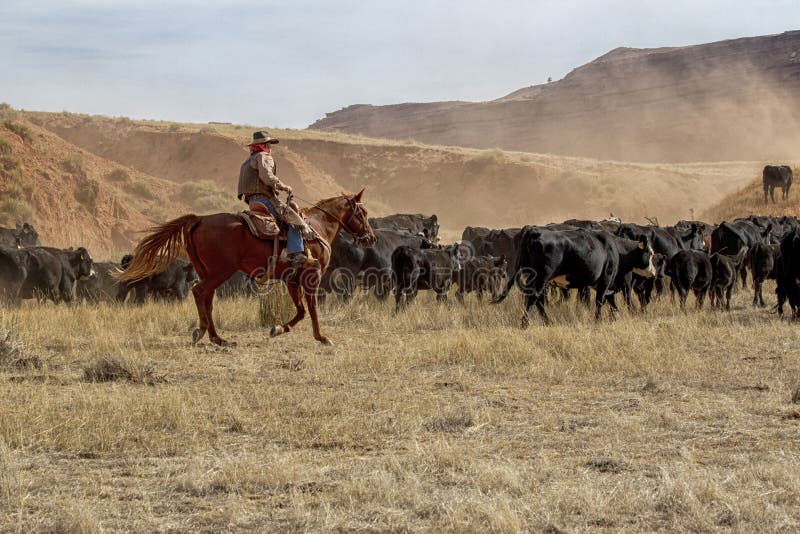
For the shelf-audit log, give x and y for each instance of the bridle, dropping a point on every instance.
(355, 208)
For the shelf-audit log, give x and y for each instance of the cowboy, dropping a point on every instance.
(259, 183)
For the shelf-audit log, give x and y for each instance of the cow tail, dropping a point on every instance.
(525, 238)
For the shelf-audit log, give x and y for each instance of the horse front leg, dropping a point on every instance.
(295, 291)
(311, 286)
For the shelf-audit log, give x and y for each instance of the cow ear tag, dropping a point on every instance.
(641, 245)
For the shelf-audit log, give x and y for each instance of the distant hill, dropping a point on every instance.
(730, 100)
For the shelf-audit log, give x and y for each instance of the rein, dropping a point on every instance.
(345, 225)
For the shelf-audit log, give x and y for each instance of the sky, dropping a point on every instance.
(285, 63)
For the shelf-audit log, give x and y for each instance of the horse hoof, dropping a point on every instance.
(223, 342)
(197, 335)
(276, 331)
(325, 341)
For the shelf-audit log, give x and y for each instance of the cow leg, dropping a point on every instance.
(743, 274)
(766, 189)
(599, 299)
(460, 295)
(612, 301)
(584, 296)
(682, 295)
(758, 297)
(700, 295)
(398, 298)
(534, 291)
(383, 287)
(728, 292)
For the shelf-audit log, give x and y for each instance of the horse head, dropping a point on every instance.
(356, 220)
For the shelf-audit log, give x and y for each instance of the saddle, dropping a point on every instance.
(261, 223)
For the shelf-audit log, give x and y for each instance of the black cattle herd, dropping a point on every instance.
(544, 262)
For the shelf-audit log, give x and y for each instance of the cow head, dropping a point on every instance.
(459, 255)
(26, 236)
(499, 275)
(191, 275)
(430, 228)
(630, 231)
(643, 259)
(82, 263)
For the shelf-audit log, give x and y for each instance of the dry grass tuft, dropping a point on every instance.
(275, 306)
(76, 520)
(9, 479)
(454, 420)
(113, 368)
(606, 465)
(12, 355)
(796, 394)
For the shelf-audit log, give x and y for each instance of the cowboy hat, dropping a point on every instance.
(261, 138)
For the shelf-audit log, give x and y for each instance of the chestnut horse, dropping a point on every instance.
(219, 245)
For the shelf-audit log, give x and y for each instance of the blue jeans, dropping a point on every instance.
(294, 241)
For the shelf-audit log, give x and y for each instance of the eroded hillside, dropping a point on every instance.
(463, 186)
(74, 197)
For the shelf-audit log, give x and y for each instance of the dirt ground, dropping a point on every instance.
(445, 418)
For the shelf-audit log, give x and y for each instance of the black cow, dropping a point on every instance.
(42, 273)
(427, 226)
(472, 234)
(730, 237)
(503, 242)
(238, 285)
(102, 286)
(777, 176)
(788, 273)
(609, 225)
(15, 265)
(573, 259)
(724, 270)
(690, 270)
(763, 261)
(666, 241)
(353, 265)
(481, 274)
(643, 285)
(24, 235)
(173, 283)
(432, 269)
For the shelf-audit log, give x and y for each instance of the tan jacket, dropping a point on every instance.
(257, 176)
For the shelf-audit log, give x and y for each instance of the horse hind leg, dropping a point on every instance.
(204, 300)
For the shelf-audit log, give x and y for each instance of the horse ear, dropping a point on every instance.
(357, 197)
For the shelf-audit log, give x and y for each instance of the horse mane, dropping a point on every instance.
(323, 204)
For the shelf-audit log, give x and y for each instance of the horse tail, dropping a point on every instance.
(155, 252)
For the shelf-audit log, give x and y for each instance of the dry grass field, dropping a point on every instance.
(445, 418)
